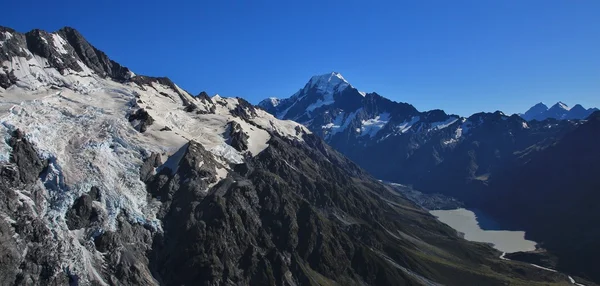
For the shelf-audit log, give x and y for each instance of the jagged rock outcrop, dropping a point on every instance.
(236, 137)
(82, 213)
(93, 58)
(27, 253)
(149, 165)
(141, 119)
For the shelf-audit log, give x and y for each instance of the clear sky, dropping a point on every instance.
(460, 56)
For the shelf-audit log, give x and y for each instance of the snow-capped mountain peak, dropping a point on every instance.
(561, 105)
(274, 101)
(328, 82)
(560, 111)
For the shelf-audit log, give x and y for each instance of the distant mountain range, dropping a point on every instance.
(558, 111)
(396, 142)
(469, 158)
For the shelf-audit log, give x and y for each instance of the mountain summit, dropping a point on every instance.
(397, 142)
(319, 91)
(559, 111)
(536, 111)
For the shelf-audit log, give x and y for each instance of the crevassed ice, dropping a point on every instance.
(87, 146)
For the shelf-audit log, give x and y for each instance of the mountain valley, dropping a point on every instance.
(479, 160)
(114, 178)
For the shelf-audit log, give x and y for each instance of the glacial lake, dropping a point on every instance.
(471, 223)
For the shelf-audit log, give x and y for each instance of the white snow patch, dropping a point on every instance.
(563, 106)
(257, 137)
(541, 267)
(402, 127)
(327, 100)
(274, 101)
(7, 36)
(406, 125)
(574, 282)
(59, 43)
(455, 138)
(372, 126)
(228, 153)
(443, 124)
(340, 123)
(35, 73)
(285, 128)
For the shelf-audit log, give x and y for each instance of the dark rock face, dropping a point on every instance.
(146, 82)
(82, 213)
(21, 229)
(41, 43)
(25, 158)
(244, 109)
(317, 217)
(141, 119)
(147, 169)
(125, 251)
(236, 136)
(11, 47)
(95, 194)
(557, 184)
(95, 59)
(536, 112)
(74, 49)
(7, 79)
(203, 96)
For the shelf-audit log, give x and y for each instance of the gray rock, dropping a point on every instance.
(236, 137)
(82, 213)
(150, 163)
(141, 119)
(25, 158)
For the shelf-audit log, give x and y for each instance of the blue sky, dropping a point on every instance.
(460, 56)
